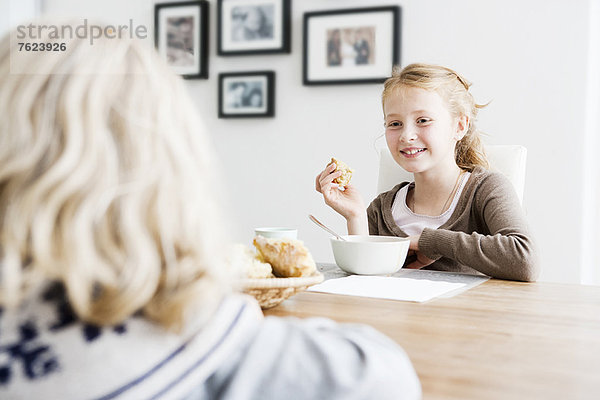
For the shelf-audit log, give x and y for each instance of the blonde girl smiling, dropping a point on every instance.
(458, 215)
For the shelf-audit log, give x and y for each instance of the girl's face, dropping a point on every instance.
(420, 131)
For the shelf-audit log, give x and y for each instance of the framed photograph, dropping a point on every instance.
(181, 37)
(247, 94)
(351, 45)
(248, 27)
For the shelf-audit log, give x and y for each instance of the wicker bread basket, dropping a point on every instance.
(269, 292)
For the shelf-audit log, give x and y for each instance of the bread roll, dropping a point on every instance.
(344, 179)
(252, 266)
(288, 257)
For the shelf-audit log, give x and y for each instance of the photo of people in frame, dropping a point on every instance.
(180, 41)
(247, 94)
(249, 23)
(181, 37)
(349, 47)
(244, 94)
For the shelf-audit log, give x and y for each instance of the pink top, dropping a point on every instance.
(413, 224)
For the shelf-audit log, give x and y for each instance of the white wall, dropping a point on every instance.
(591, 162)
(12, 12)
(4, 16)
(529, 57)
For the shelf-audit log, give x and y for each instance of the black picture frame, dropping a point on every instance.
(351, 46)
(239, 94)
(270, 34)
(184, 50)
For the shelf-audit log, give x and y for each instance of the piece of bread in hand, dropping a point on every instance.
(344, 179)
(288, 257)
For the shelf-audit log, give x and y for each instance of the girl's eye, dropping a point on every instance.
(423, 120)
(394, 124)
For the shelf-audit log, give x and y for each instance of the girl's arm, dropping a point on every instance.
(358, 225)
(502, 247)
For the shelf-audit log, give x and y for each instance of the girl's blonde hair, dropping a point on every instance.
(106, 184)
(454, 89)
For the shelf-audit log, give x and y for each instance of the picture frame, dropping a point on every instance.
(248, 27)
(348, 46)
(181, 36)
(247, 94)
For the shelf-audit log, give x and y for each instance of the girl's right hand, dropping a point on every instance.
(348, 202)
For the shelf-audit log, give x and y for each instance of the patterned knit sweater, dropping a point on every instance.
(47, 353)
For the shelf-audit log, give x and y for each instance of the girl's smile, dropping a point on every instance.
(412, 152)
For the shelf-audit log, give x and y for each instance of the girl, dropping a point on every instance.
(112, 279)
(458, 215)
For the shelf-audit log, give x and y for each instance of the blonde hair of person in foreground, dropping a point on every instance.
(105, 185)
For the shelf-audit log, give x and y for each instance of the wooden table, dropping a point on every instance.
(499, 340)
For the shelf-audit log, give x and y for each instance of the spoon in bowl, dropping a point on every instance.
(321, 225)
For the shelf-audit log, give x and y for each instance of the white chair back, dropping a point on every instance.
(510, 160)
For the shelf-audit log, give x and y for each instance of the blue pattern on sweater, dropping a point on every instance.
(36, 357)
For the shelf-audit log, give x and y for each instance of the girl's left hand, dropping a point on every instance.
(422, 260)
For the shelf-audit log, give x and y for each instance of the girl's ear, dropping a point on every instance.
(462, 127)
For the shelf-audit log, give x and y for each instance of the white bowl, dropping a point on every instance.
(268, 232)
(370, 255)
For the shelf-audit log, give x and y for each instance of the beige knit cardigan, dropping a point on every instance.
(487, 233)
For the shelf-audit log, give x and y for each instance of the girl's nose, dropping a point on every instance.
(409, 134)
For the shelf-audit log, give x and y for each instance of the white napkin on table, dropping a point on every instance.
(387, 287)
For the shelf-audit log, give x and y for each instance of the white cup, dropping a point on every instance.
(280, 233)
